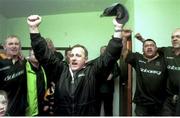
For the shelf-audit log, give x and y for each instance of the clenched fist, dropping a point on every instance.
(34, 20)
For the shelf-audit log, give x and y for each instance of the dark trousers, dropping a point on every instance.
(148, 110)
(169, 107)
(107, 100)
(178, 108)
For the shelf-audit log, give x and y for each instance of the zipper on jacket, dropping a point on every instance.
(72, 92)
(73, 101)
(72, 76)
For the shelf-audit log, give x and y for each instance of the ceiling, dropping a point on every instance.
(23, 8)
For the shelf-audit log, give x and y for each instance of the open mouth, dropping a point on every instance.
(14, 51)
(2, 113)
(149, 50)
(174, 43)
(74, 63)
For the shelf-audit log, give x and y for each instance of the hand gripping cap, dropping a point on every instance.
(117, 10)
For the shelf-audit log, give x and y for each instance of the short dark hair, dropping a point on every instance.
(149, 40)
(66, 50)
(83, 47)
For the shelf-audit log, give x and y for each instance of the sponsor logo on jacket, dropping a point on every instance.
(141, 61)
(14, 75)
(5, 68)
(150, 71)
(169, 57)
(173, 67)
(81, 75)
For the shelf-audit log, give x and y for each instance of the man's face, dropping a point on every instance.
(175, 39)
(12, 47)
(3, 105)
(77, 59)
(149, 49)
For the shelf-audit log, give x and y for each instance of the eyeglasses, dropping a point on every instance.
(175, 36)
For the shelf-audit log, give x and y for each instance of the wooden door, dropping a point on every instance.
(126, 83)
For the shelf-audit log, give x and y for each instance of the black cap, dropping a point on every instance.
(117, 10)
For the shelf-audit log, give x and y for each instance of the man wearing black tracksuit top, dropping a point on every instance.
(172, 59)
(13, 76)
(171, 56)
(13, 81)
(75, 91)
(173, 86)
(151, 80)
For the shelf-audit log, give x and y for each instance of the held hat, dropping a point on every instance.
(117, 10)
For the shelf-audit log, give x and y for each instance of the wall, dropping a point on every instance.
(156, 19)
(2, 28)
(69, 29)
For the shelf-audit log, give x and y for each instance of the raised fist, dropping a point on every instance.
(34, 20)
(139, 37)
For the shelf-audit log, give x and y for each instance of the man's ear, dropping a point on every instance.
(143, 49)
(4, 47)
(156, 49)
(86, 58)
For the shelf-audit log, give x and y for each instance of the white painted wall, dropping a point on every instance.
(3, 27)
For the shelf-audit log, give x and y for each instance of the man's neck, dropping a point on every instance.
(35, 64)
(150, 59)
(177, 51)
(13, 58)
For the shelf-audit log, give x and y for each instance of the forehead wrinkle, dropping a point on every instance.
(149, 43)
(12, 40)
(177, 31)
(78, 50)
